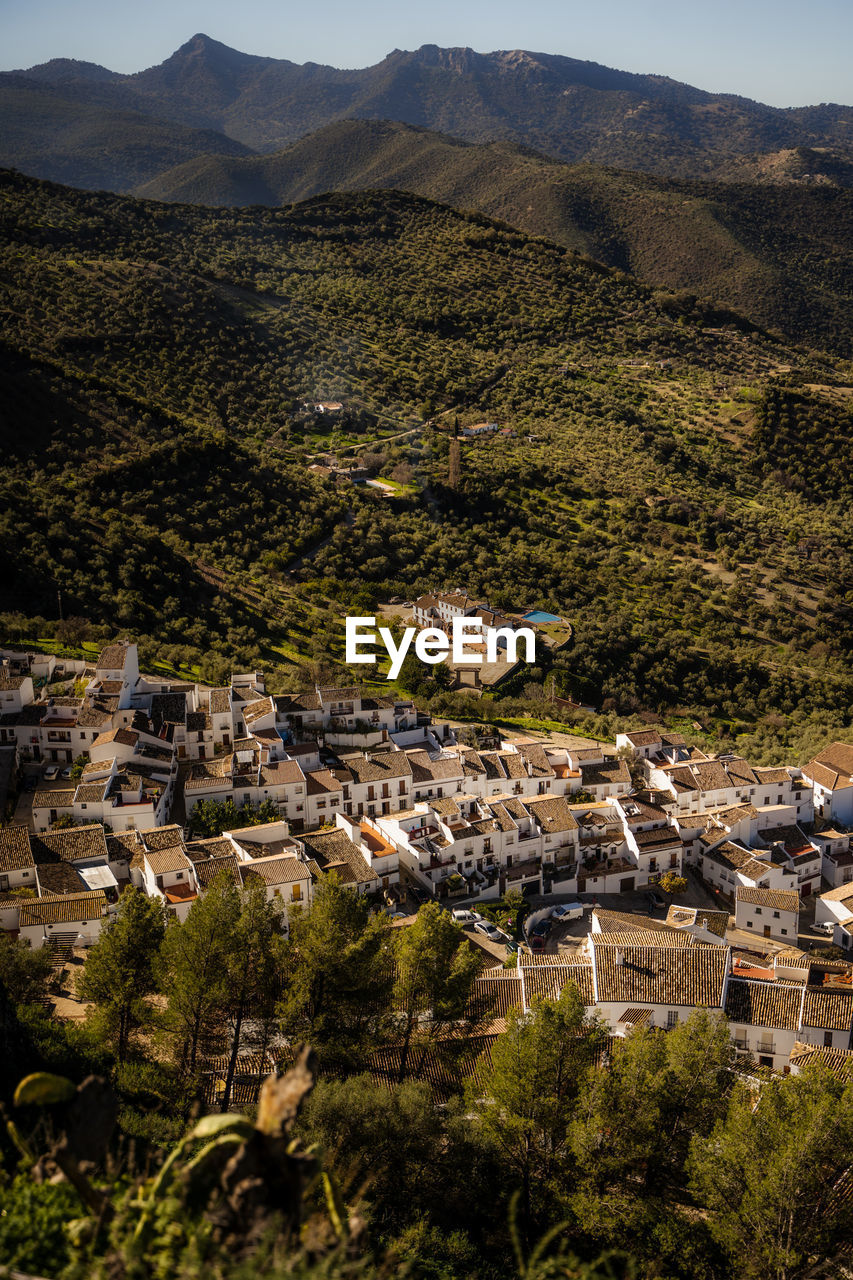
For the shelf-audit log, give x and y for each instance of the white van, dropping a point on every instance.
(567, 911)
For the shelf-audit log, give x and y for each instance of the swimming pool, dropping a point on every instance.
(539, 615)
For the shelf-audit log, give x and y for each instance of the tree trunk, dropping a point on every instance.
(232, 1061)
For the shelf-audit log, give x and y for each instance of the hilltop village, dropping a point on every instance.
(118, 779)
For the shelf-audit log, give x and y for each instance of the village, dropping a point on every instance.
(113, 780)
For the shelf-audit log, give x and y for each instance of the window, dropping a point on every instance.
(671, 1019)
(749, 924)
(758, 911)
(775, 915)
(179, 875)
(297, 893)
(827, 1039)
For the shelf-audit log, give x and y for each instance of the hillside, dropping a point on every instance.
(674, 481)
(563, 107)
(783, 255)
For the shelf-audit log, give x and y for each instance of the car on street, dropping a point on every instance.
(51, 772)
(489, 931)
(464, 915)
(567, 911)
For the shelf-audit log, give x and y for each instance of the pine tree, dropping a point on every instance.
(254, 969)
(436, 970)
(119, 970)
(339, 976)
(193, 969)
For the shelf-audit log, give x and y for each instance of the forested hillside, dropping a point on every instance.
(776, 251)
(674, 480)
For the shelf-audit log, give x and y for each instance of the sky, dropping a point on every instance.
(783, 52)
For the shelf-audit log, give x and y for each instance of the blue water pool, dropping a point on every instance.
(539, 615)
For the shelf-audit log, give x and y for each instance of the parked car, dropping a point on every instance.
(511, 946)
(488, 930)
(51, 772)
(464, 915)
(66, 772)
(655, 899)
(537, 942)
(567, 911)
(420, 896)
(825, 926)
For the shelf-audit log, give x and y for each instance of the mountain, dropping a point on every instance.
(52, 131)
(672, 479)
(782, 255)
(563, 107)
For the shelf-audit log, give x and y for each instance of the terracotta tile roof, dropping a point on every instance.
(548, 978)
(283, 772)
(296, 703)
(838, 1061)
(209, 773)
(72, 844)
(15, 851)
(379, 767)
(636, 1017)
(253, 711)
(832, 767)
(657, 837)
(629, 922)
(125, 738)
(60, 877)
(608, 773)
(162, 837)
(322, 782)
(776, 899)
(716, 922)
(764, 1004)
(275, 871)
(333, 851)
(123, 844)
(54, 799)
(163, 861)
(112, 658)
(213, 847)
(685, 976)
(844, 893)
(207, 869)
(69, 908)
(829, 1010)
(552, 813)
(92, 792)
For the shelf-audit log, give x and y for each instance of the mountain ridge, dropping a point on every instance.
(566, 107)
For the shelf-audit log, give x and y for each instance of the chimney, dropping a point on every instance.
(620, 958)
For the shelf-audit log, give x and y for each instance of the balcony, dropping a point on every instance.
(523, 870)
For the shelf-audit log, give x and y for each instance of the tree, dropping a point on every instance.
(774, 1171)
(119, 970)
(525, 1099)
(339, 975)
(253, 972)
(633, 1123)
(672, 883)
(435, 978)
(193, 969)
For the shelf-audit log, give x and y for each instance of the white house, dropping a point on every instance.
(768, 913)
